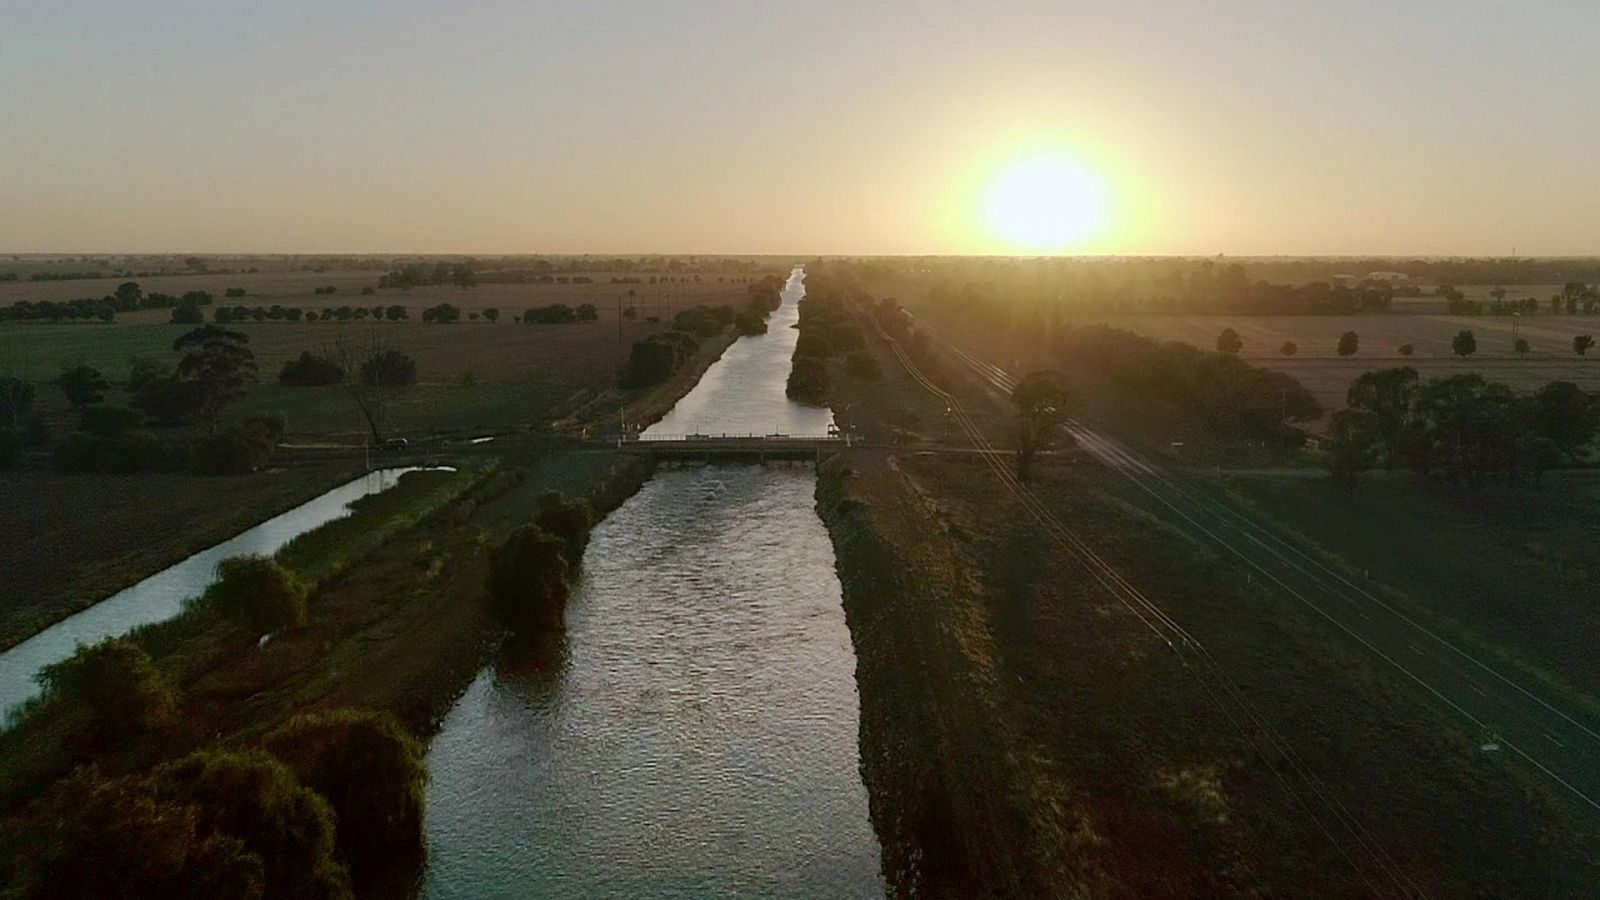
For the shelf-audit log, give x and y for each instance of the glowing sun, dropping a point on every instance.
(1045, 203)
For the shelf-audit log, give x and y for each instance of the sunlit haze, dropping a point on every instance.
(1417, 128)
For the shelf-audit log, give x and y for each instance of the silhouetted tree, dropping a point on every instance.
(1041, 403)
(1229, 341)
(83, 385)
(1349, 343)
(1465, 343)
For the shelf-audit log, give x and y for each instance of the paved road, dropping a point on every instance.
(1511, 714)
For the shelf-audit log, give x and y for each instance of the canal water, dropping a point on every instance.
(698, 738)
(162, 595)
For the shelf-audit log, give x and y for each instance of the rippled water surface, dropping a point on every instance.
(162, 595)
(698, 737)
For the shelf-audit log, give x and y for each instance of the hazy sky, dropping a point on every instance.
(1405, 126)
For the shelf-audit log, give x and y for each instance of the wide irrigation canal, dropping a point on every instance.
(699, 736)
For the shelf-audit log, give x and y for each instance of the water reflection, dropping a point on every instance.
(698, 736)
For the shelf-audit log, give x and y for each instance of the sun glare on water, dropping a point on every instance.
(1045, 203)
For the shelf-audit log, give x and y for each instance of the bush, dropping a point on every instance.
(863, 365)
(311, 370)
(528, 581)
(372, 773)
(253, 798)
(117, 682)
(258, 593)
(83, 385)
(703, 321)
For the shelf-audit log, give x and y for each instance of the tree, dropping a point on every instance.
(1464, 343)
(396, 313)
(1352, 445)
(1567, 416)
(1385, 397)
(528, 581)
(311, 370)
(1229, 342)
(1041, 403)
(492, 314)
(187, 314)
(253, 798)
(16, 401)
(1289, 348)
(1407, 349)
(258, 593)
(1349, 343)
(142, 371)
(1520, 345)
(388, 368)
(129, 296)
(372, 773)
(1581, 344)
(118, 683)
(444, 314)
(218, 363)
(83, 385)
(863, 365)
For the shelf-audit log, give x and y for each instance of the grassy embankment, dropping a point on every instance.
(1022, 733)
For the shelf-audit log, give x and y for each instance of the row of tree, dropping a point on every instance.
(828, 329)
(1215, 393)
(1462, 428)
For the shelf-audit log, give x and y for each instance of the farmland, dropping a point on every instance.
(472, 375)
(1318, 366)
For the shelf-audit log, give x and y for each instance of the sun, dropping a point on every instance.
(1045, 203)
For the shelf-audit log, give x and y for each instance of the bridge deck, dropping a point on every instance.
(743, 447)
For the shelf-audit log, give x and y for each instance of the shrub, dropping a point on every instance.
(1407, 349)
(444, 314)
(187, 314)
(528, 581)
(371, 772)
(258, 593)
(117, 682)
(311, 370)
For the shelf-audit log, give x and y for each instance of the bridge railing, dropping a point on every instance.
(731, 438)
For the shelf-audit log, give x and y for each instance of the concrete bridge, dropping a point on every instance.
(734, 447)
